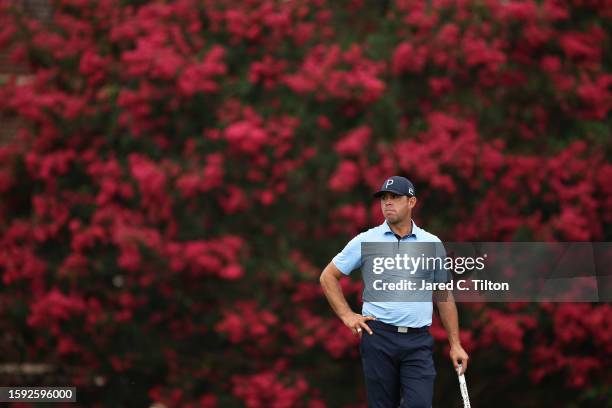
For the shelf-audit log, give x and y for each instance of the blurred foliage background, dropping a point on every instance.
(175, 174)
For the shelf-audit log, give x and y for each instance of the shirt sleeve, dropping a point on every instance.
(442, 274)
(349, 258)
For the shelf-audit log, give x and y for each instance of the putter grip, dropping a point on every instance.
(463, 388)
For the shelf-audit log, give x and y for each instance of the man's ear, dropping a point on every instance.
(412, 202)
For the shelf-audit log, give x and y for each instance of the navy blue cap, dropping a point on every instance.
(397, 185)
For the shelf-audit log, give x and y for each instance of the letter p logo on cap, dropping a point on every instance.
(388, 183)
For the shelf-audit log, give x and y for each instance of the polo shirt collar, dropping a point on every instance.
(387, 229)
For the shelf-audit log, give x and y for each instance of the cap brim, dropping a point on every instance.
(381, 192)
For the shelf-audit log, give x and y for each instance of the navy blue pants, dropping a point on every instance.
(398, 367)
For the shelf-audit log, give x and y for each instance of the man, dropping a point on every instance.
(397, 352)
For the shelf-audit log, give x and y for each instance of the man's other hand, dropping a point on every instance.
(458, 355)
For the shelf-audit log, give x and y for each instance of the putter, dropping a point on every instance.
(463, 387)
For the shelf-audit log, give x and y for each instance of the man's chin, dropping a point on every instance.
(391, 219)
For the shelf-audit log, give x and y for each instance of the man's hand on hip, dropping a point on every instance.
(357, 323)
(457, 355)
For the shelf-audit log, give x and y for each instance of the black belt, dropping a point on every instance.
(375, 324)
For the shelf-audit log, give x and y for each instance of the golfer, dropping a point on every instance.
(396, 352)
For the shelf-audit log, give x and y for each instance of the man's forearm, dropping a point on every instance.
(335, 297)
(450, 319)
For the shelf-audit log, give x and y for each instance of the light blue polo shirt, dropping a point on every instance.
(408, 314)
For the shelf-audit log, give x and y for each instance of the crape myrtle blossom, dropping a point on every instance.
(178, 170)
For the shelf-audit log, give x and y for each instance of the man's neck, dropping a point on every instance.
(402, 228)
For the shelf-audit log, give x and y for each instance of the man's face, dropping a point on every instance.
(396, 208)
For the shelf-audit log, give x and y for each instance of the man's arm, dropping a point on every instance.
(450, 320)
(329, 279)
